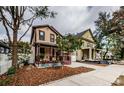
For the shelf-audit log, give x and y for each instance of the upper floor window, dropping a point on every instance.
(52, 38)
(41, 35)
(89, 45)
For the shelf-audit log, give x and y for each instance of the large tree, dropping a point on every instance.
(109, 30)
(101, 33)
(118, 29)
(14, 18)
(118, 22)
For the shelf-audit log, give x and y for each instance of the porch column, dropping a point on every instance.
(94, 54)
(90, 54)
(37, 50)
(50, 51)
(55, 52)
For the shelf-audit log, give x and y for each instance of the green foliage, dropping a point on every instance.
(118, 21)
(11, 70)
(69, 43)
(108, 31)
(42, 56)
(5, 82)
(24, 47)
(24, 51)
(103, 24)
(102, 27)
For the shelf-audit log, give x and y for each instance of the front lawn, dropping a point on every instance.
(32, 76)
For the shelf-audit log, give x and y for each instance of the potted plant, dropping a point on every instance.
(41, 57)
(56, 63)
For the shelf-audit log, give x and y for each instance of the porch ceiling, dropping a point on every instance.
(46, 44)
(3, 44)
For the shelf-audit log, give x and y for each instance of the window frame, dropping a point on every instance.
(52, 39)
(43, 38)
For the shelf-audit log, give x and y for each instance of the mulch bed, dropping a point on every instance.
(96, 64)
(119, 81)
(36, 76)
(104, 65)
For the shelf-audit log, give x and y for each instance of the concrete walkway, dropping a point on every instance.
(102, 76)
(77, 64)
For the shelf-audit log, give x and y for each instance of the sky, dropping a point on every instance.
(69, 19)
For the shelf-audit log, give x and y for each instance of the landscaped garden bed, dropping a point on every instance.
(32, 76)
(94, 63)
(103, 65)
(119, 81)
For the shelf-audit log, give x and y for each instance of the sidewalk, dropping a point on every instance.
(77, 64)
(102, 76)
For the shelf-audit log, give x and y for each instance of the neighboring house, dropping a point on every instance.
(43, 42)
(5, 63)
(88, 50)
(4, 48)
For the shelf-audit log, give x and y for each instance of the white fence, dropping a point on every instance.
(5, 63)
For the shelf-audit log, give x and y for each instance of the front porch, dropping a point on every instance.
(47, 53)
(89, 54)
(49, 56)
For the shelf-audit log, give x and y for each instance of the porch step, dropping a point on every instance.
(48, 65)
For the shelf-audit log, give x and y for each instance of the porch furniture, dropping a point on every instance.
(66, 59)
(47, 65)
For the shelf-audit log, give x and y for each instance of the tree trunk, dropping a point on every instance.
(105, 54)
(14, 50)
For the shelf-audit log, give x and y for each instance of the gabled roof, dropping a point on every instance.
(3, 44)
(82, 33)
(41, 26)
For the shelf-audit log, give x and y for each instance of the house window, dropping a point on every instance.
(52, 38)
(1, 50)
(41, 35)
(89, 45)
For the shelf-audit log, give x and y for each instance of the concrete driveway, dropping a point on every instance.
(102, 76)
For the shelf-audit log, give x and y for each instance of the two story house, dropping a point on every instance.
(43, 42)
(88, 50)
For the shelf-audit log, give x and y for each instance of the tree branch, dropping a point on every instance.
(23, 11)
(5, 19)
(26, 30)
(27, 19)
(7, 31)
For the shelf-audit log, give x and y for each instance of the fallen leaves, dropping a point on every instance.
(36, 76)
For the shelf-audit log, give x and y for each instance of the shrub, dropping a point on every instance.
(11, 71)
(25, 62)
(41, 56)
(5, 82)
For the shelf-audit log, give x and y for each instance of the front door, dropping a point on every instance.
(42, 53)
(85, 54)
(42, 50)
